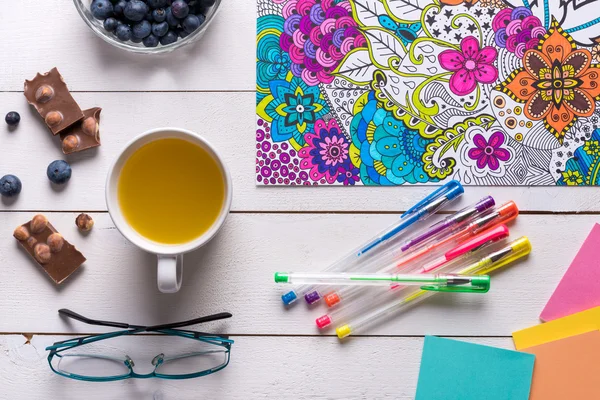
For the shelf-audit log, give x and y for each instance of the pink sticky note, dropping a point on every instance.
(579, 289)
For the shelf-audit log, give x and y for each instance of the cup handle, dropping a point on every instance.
(170, 271)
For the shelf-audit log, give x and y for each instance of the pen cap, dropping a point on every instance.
(515, 250)
(500, 215)
(508, 211)
(493, 234)
(485, 203)
(449, 191)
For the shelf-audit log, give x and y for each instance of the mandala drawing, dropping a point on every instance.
(417, 92)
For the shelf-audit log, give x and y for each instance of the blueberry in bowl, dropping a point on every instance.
(148, 26)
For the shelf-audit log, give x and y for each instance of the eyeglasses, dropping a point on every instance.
(183, 354)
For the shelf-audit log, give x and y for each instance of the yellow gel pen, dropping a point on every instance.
(367, 315)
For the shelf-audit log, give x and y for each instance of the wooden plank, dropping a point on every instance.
(260, 367)
(227, 120)
(235, 273)
(223, 59)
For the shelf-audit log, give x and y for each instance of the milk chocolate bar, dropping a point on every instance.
(82, 135)
(48, 248)
(49, 95)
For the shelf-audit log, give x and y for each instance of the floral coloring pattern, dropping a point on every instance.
(470, 66)
(413, 92)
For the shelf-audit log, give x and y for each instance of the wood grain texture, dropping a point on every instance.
(227, 120)
(260, 368)
(223, 59)
(235, 273)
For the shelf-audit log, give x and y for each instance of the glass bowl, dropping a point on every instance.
(83, 7)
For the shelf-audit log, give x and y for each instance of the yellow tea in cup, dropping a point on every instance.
(171, 191)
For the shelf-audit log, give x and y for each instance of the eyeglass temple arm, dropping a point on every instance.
(71, 314)
(215, 317)
(201, 320)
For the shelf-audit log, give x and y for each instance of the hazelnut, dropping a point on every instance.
(55, 242)
(89, 126)
(44, 93)
(54, 118)
(31, 241)
(84, 222)
(70, 143)
(21, 233)
(42, 253)
(38, 223)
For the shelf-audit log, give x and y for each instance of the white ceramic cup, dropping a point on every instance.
(170, 257)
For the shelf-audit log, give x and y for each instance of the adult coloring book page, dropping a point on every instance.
(403, 92)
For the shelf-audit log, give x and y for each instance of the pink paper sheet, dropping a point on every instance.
(579, 288)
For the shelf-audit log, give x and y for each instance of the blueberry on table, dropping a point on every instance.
(170, 37)
(119, 7)
(101, 9)
(59, 172)
(160, 29)
(141, 29)
(110, 24)
(180, 9)
(135, 10)
(156, 3)
(170, 18)
(159, 15)
(150, 41)
(10, 186)
(12, 118)
(123, 32)
(191, 23)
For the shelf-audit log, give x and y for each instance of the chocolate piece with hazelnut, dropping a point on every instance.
(48, 248)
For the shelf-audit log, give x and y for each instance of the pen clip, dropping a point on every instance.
(450, 191)
(458, 284)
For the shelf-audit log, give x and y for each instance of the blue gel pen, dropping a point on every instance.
(420, 211)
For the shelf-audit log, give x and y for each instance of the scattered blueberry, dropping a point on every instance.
(119, 7)
(159, 15)
(10, 186)
(59, 172)
(123, 32)
(135, 10)
(101, 9)
(170, 37)
(171, 20)
(165, 20)
(180, 9)
(150, 41)
(191, 23)
(110, 24)
(160, 29)
(156, 3)
(141, 29)
(12, 118)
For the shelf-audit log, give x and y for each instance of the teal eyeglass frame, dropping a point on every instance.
(166, 329)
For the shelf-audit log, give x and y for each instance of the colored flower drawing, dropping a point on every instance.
(557, 83)
(486, 152)
(293, 107)
(470, 66)
(271, 62)
(517, 30)
(317, 35)
(326, 151)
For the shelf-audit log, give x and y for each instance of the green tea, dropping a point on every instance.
(171, 191)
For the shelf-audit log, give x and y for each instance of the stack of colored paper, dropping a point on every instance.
(567, 345)
(558, 359)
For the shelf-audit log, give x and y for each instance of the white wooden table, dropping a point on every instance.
(209, 88)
